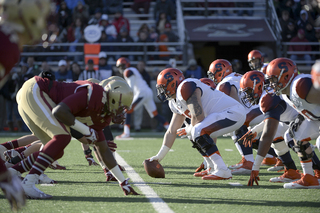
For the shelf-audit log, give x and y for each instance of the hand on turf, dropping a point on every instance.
(92, 137)
(91, 160)
(200, 168)
(254, 177)
(127, 189)
(247, 139)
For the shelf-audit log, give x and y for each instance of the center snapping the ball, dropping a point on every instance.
(154, 169)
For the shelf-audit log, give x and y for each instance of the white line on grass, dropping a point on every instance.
(158, 204)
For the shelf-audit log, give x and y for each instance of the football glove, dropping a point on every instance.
(254, 177)
(91, 160)
(92, 137)
(112, 146)
(14, 192)
(127, 189)
(248, 138)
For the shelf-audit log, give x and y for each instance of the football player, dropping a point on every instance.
(50, 108)
(298, 92)
(210, 118)
(22, 22)
(143, 95)
(256, 61)
(228, 81)
(276, 114)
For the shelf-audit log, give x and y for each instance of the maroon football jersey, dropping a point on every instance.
(9, 52)
(86, 100)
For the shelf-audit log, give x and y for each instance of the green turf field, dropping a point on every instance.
(83, 189)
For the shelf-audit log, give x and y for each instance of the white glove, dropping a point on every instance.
(185, 132)
(92, 137)
(154, 158)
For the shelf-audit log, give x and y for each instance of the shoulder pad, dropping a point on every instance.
(127, 73)
(303, 87)
(187, 89)
(225, 88)
(269, 102)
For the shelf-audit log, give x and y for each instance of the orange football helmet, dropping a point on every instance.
(252, 85)
(122, 64)
(280, 73)
(167, 83)
(255, 54)
(209, 82)
(315, 73)
(219, 69)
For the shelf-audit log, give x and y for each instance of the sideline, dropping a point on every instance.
(158, 204)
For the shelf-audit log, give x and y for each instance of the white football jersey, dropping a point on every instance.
(212, 100)
(136, 81)
(298, 93)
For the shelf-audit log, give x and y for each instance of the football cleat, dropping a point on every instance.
(9, 154)
(15, 172)
(269, 161)
(2, 150)
(279, 166)
(110, 176)
(235, 166)
(123, 136)
(317, 174)
(31, 191)
(200, 168)
(307, 181)
(127, 189)
(245, 169)
(288, 176)
(203, 173)
(220, 174)
(44, 179)
(56, 165)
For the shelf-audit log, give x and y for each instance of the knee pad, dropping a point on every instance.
(301, 150)
(204, 142)
(280, 147)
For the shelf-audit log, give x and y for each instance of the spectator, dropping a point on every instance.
(143, 27)
(164, 6)
(237, 66)
(93, 5)
(298, 7)
(64, 16)
(71, 4)
(193, 70)
(111, 6)
(171, 35)
(108, 28)
(81, 11)
(63, 74)
(75, 31)
(45, 67)
(289, 32)
(144, 37)
(33, 69)
(124, 37)
(53, 16)
(153, 33)
(244, 4)
(144, 4)
(119, 21)
(310, 35)
(95, 20)
(76, 70)
(303, 20)
(285, 19)
(162, 20)
(90, 72)
(286, 5)
(104, 68)
(300, 38)
(104, 39)
(164, 48)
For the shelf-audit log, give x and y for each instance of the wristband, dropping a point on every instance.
(257, 162)
(80, 127)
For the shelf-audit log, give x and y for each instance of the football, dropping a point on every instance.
(154, 169)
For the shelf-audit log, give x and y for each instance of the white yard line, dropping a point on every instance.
(158, 204)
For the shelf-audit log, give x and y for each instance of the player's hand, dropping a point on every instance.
(200, 168)
(248, 138)
(154, 158)
(120, 116)
(184, 132)
(127, 189)
(93, 137)
(112, 146)
(254, 177)
(14, 192)
(91, 161)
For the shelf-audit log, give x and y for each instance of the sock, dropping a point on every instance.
(249, 157)
(315, 161)
(287, 161)
(128, 119)
(21, 149)
(218, 161)
(26, 164)
(271, 153)
(239, 148)
(126, 129)
(208, 162)
(117, 174)
(11, 144)
(307, 167)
